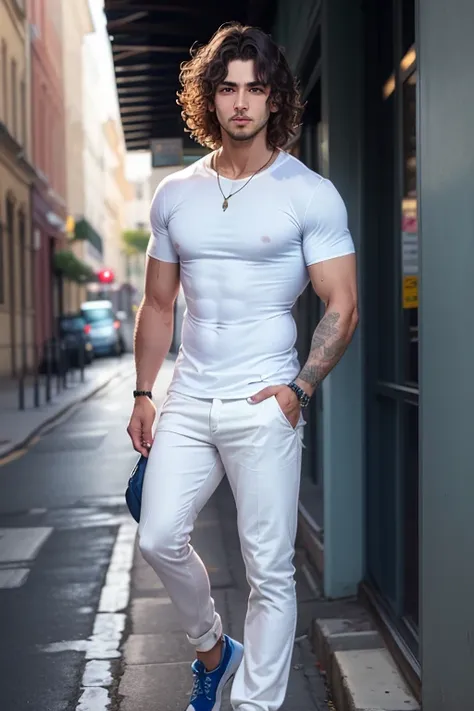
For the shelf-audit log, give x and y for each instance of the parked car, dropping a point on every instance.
(74, 332)
(106, 333)
(64, 352)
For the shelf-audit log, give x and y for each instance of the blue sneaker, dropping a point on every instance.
(208, 686)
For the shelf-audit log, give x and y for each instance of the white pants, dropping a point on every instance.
(196, 441)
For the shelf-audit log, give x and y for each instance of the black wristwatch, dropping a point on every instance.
(303, 397)
(142, 393)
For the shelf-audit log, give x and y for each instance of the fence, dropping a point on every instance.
(40, 377)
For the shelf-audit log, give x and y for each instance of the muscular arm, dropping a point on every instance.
(154, 325)
(334, 281)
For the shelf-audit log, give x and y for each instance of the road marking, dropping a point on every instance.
(13, 456)
(13, 578)
(116, 591)
(18, 544)
(109, 625)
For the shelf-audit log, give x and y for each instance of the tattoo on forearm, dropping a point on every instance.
(327, 346)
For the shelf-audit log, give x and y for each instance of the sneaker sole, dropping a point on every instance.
(228, 676)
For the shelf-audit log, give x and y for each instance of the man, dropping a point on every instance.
(243, 229)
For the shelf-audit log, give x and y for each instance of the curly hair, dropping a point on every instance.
(207, 68)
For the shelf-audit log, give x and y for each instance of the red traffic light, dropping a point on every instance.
(106, 276)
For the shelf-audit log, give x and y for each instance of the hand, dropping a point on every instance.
(140, 425)
(287, 400)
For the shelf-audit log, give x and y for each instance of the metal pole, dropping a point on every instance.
(64, 364)
(35, 300)
(49, 356)
(81, 360)
(21, 390)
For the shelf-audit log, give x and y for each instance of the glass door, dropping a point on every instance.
(392, 320)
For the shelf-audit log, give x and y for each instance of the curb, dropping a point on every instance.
(50, 422)
(360, 671)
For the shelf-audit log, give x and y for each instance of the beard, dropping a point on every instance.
(241, 137)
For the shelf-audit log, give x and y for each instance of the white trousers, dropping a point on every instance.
(196, 441)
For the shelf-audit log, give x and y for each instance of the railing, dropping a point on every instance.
(53, 373)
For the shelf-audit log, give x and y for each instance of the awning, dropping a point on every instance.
(149, 42)
(84, 230)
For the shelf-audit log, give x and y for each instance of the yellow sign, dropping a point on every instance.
(70, 226)
(410, 292)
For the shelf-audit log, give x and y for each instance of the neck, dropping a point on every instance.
(238, 158)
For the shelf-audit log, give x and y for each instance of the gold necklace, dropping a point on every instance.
(225, 204)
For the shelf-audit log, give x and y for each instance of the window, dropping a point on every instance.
(4, 83)
(23, 113)
(14, 90)
(409, 229)
(392, 315)
(2, 265)
(44, 130)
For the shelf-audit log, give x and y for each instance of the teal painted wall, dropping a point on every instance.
(343, 410)
(293, 23)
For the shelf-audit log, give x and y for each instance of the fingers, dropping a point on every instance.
(141, 444)
(263, 394)
(147, 440)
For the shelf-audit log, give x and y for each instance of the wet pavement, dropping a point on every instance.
(61, 516)
(85, 624)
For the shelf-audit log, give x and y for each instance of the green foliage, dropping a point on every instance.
(70, 267)
(84, 231)
(136, 241)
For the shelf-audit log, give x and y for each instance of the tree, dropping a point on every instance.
(67, 265)
(136, 241)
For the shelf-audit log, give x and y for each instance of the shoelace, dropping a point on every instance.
(202, 686)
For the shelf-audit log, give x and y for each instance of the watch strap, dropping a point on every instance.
(142, 393)
(303, 397)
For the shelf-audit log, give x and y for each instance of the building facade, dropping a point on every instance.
(387, 485)
(117, 193)
(49, 159)
(16, 179)
(76, 25)
(93, 154)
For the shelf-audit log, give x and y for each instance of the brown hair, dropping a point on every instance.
(207, 68)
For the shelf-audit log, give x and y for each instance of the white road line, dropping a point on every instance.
(13, 578)
(22, 544)
(116, 591)
(109, 624)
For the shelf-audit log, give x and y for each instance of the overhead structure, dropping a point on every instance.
(149, 42)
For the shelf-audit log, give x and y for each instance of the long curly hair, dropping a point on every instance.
(207, 68)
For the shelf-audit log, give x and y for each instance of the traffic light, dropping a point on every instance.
(106, 276)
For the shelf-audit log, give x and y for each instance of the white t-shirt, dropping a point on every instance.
(243, 269)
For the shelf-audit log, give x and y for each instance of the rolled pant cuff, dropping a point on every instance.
(208, 640)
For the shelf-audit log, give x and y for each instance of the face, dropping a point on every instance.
(241, 103)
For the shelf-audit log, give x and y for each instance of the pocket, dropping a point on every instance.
(282, 415)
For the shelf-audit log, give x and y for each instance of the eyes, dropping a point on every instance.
(231, 90)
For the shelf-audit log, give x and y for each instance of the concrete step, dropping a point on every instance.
(361, 673)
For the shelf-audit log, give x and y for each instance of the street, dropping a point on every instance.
(66, 552)
(61, 506)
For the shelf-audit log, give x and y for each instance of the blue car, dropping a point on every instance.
(104, 328)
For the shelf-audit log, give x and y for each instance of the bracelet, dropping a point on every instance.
(303, 397)
(142, 393)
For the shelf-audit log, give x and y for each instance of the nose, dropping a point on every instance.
(241, 101)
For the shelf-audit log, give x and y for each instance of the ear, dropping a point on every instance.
(211, 107)
(273, 105)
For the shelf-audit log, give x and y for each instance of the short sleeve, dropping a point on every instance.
(160, 245)
(325, 231)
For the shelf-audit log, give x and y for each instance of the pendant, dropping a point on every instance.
(225, 204)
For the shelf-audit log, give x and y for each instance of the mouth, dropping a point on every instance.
(241, 121)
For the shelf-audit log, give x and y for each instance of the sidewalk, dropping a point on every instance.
(156, 663)
(17, 426)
